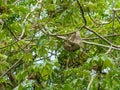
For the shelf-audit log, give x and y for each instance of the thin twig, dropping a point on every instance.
(11, 68)
(112, 35)
(113, 17)
(8, 45)
(97, 35)
(117, 16)
(97, 44)
(15, 65)
(91, 80)
(97, 22)
(11, 31)
(113, 22)
(13, 36)
(116, 9)
(82, 13)
(25, 19)
(1, 23)
(17, 1)
(51, 34)
(101, 37)
(109, 50)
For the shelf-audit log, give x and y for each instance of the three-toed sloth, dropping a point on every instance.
(73, 42)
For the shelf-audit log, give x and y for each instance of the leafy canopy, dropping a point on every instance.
(32, 34)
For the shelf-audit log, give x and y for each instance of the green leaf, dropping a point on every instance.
(3, 56)
(28, 57)
(51, 7)
(67, 87)
(4, 16)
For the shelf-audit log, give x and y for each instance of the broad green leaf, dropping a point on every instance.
(4, 16)
(3, 56)
(28, 57)
(67, 87)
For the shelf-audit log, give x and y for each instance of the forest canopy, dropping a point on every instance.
(59, 45)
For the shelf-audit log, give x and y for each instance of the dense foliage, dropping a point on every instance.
(32, 34)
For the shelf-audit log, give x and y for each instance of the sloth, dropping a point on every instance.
(73, 42)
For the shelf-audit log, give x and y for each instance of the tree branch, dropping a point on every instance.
(10, 31)
(106, 36)
(13, 36)
(101, 37)
(25, 19)
(105, 46)
(104, 23)
(8, 45)
(14, 65)
(91, 43)
(82, 12)
(91, 80)
(11, 68)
